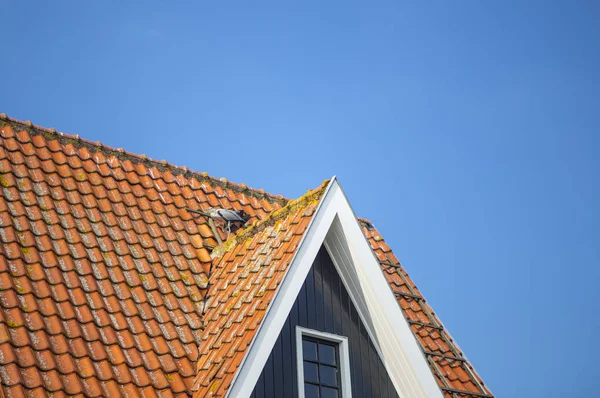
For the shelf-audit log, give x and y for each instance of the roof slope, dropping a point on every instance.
(247, 272)
(103, 271)
(454, 374)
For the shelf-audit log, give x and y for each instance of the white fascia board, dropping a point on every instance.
(334, 225)
(377, 306)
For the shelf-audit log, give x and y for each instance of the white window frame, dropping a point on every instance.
(344, 353)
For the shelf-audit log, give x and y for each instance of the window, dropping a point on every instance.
(323, 364)
(321, 368)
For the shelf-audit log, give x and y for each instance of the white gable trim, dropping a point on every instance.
(335, 226)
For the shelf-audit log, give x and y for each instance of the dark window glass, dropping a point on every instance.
(311, 372)
(321, 368)
(327, 354)
(309, 350)
(311, 391)
(328, 375)
(327, 392)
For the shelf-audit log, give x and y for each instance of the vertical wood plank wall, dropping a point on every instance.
(323, 304)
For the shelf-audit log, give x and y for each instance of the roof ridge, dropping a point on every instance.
(76, 140)
(367, 223)
(272, 218)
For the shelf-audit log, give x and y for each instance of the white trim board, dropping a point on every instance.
(334, 225)
(344, 365)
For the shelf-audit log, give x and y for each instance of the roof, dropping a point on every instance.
(108, 287)
(454, 373)
(247, 271)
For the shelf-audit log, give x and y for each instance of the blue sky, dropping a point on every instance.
(468, 132)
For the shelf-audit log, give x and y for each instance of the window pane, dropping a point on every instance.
(328, 375)
(327, 354)
(310, 372)
(309, 350)
(311, 391)
(327, 392)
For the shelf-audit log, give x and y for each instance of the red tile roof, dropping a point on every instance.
(247, 271)
(105, 265)
(103, 270)
(454, 374)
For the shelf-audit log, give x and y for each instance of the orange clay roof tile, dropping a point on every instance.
(104, 272)
(445, 359)
(237, 298)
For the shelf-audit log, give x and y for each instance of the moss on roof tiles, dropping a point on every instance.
(244, 235)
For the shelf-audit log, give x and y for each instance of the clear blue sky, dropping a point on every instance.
(467, 131)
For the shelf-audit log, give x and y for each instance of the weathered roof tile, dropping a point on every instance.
(77, 259)
(229, 330)
(99, 245)
(429, 331)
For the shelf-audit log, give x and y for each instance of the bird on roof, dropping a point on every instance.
(231, 218)
(229, 215)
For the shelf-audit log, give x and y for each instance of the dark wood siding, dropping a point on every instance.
(323, 304)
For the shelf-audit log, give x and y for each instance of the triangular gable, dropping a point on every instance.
(336, 226)
(324, 308)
